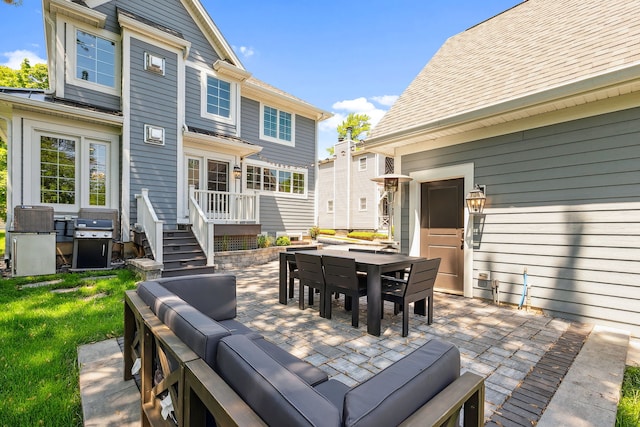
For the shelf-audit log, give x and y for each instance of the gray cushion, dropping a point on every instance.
(392, 395)
(212, 294)
(306, 371)
(199, 332)
(278, 396)
(334, 391)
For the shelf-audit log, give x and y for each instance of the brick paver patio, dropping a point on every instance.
(499, 342)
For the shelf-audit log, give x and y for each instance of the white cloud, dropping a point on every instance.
(386, 100)
(246, 52)
(15, 58)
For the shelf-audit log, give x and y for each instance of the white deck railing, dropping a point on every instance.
(150, 223)
(229, 208)
(201, 226)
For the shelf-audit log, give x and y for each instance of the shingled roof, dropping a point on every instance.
(530, 48)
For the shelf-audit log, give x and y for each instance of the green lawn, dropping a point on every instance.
(40, 332)
(2, 243)
(629, 406)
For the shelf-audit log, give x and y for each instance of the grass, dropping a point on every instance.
(2, 242)
(40, 332)
(629, 405)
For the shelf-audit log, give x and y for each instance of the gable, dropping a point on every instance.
(539, 51)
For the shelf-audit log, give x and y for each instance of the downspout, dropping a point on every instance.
(349, 164)
(9, 136)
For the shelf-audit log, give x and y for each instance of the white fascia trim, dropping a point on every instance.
(262, 94)
(64, 110)
(230, 71)
(466, 171)
(211, 31)
(149, 32)
(77, 12)
(237, 148)
(553, 94)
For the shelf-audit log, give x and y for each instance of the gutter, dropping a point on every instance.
(575, 88)
(72, 112)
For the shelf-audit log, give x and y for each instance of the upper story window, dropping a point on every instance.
(282, 181)
(93, 59)
(277, 125)
(218, 98)
(362, 163)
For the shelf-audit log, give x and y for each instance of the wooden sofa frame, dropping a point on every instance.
(196, 389)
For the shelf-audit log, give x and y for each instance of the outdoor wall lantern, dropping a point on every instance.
(237, 172)
(391, 182)
(476, 199)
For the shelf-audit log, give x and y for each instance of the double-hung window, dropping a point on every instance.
(277, 125)
(277, 180)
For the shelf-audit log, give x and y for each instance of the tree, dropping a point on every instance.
(13, 2)
(28, 76)
(359, 124)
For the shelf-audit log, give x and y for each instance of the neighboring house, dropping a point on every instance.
(541, 104)
(347, 198)
(149, 95)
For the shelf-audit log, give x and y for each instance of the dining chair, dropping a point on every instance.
(311, 275)
(293, 267)
(340, 276)
(418, 286)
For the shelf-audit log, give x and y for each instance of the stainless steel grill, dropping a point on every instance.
(92, 243)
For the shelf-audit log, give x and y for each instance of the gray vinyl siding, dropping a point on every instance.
(363, 187)
(153, 102)
(325, 189)
(278, 212)
(564, 202)
(193, 94)
(91, 97)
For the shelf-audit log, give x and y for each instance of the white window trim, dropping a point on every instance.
(330, 206)
(276, 192)
(70, 70)
(264, 137)
(203, 98)
(362, 168)
(83, 137)
(360, 208)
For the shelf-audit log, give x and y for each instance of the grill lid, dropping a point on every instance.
(93, 224)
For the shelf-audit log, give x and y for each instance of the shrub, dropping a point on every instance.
(314, 231)
(283, 241)
(264, 241)
(361, 235)
(327, 232)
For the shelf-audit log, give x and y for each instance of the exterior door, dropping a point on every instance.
(442, 231)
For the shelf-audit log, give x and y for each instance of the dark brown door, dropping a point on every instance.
(442, 231)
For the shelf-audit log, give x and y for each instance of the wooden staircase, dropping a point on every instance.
(182, 254)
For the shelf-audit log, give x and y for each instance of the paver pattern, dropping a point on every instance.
(499, 342)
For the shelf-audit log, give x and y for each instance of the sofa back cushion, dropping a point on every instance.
(201, 333)
(212, 294)
(392, 395)
(278, 396)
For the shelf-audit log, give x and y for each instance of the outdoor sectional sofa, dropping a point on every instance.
(183, 335)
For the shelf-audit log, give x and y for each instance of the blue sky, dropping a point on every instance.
(341, 56)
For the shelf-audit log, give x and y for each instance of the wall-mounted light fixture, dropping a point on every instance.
(476, 199)
(237, 172)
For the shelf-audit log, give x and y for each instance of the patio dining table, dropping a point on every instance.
(374, 264)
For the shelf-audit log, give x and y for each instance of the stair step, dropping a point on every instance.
(171, 272)
(182, 255)
(185, 263)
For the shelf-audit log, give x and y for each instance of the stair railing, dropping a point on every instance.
(227, 207)
(151, 225)
(201, 226)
